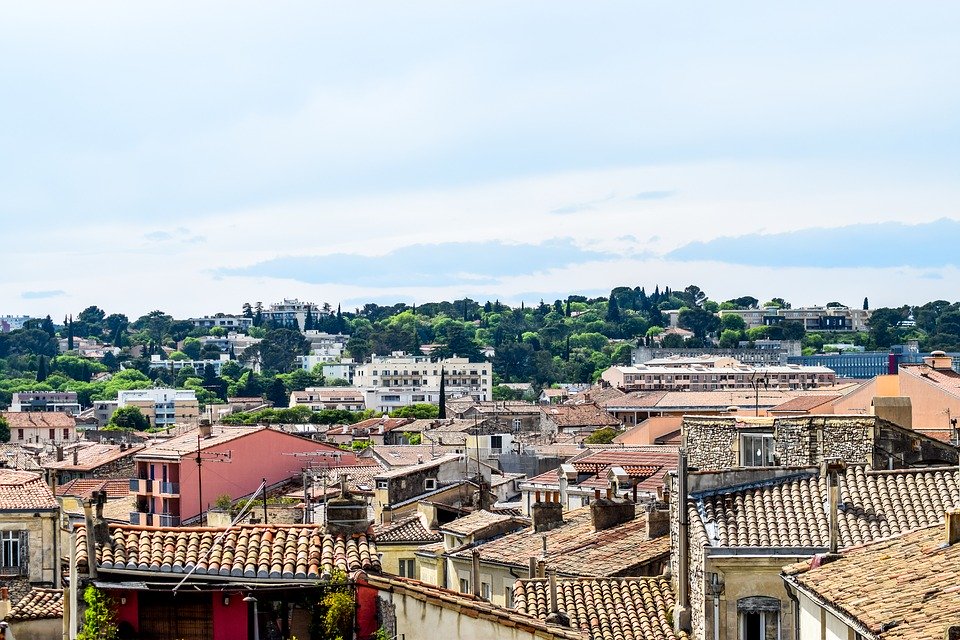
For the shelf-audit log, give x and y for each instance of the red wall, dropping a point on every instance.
(229, 621)
(128, 612)
(253, 457)
(366, 610)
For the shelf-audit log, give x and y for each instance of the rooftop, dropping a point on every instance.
(38, 604)
(475, 522)
(900, 588)
(576, 549)
(84, 488)
(403, 455)
(579, 415)
(38, 419)
(24, 491)
(792, 511)
(274, 552)
(605, 608)
(91, 455)
(409, 530)
(186, 444)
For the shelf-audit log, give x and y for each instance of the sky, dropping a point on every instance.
(191, 157)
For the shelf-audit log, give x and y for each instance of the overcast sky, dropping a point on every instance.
(194, 156)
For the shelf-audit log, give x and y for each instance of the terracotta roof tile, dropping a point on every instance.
(792, 512)
(605, 608)
(91, 455)
(803, 403)
(38, 419)
(84, 487)
(38, 604)
(406, 530)
(576, 549)
(478, 521)
(279, 552)
(23, 491)
(908, 582)
(579, 415)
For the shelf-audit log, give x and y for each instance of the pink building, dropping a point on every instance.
(170, 485)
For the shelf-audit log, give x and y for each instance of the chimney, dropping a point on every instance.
(76, 456)
(475, 573)
(5, 604)
(532, 570)
(205, 429)
(59, 450)
(658, 520)
(953, 526)
(555, 616)
(606, 513)
(938, 360)
(547, 516)
(91, 545)
(832, 468)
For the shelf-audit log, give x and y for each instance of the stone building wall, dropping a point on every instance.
(711, 443)
(809, 440)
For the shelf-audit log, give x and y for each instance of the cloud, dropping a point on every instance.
(182, 235)
(158, 236)
(40, 295)
(652, 195)
(880, 245)
(425, 264)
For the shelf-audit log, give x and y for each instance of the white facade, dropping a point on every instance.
(343, 370)
(163, 407)
(398, 380)
(227, 322)
(285, 312)
(175, 366)
(12, 323)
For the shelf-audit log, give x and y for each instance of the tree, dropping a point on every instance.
(866, 304)
(420, 411)
(42, 371)
(70, 334)
(613, 310)
(792, 329)
(277, 393)
(4, 430)
(732, 322)
(699, 321)
(602, 436)
(280, 348)
(191, 347)
(130, 417)
(99, 618)
(442, 409)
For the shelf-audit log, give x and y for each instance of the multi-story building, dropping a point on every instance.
(813, 318)
(12, 323)
(28, 427)
(342, 370)
(163, 407)
(715, 374)
(231, 323)
(320, 398)
(28, 531)
(233, 341)
(289, 310)
(62, 401)
(763, 352)
(170, 485)
(398, 380)
(174, 366)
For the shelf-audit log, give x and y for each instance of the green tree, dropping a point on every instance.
(4, 430)
(280, 348)
(602, 436)
(99, 619)
(277, 393)
(613, 310)
(699, 321)
(733, 322)
(130, 417)
(191, 347)
(42, 370)
(420, 411)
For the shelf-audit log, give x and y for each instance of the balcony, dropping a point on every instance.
(166, 488)
(141, 486)
(154, 519)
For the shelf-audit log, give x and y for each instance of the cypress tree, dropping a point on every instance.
(308, 320)
(42, 371)
(866, 304)
(443, 396)
(566, 310)
(69, 333)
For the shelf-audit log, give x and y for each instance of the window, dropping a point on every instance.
(464, 585)
(517, 424)
(757, 450)
(430, 484)
(508, 596)
(408, 567)
(381, 484)
(19, 434)
(13, 547)
(485, 590)
(66, 434)
(759, 618)
(52, 435)
(496, 443)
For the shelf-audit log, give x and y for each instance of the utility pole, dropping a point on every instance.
(214, 456)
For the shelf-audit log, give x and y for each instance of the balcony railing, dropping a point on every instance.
(154, 519)
(141, 485)
(136, 517)
(167, 488)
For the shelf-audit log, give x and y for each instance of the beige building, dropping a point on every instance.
(701, 377)
(813, 318)
(41, 427)
(163, 407)
(28, 532)
(394, 381)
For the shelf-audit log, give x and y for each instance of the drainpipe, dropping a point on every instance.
(475, 573)
(681, 621)
(91, 543)
(74, 579)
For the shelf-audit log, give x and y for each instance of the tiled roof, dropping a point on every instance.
(288, 552)
(23, 491)
(187, 443)
(576, 549)
(605, 608)
(792, 511)
(403, 455)
(475, 522)
(634, 399)
(84, 487)
(406, 530)
(804, 403)
(579, 415)
(599, 395)
(947, 380)
(901, 588)
(416, 468)
(38, 419)
(92, 455)
(38, 604)
(474, 607)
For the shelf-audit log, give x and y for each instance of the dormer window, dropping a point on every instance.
(757, 450)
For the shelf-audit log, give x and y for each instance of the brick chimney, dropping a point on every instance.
(658, 520)
(606, 513)
(547, 515)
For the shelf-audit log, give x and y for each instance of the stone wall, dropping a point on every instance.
(806, 440)
(711, 443)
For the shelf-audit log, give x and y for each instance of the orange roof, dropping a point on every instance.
(24, 491)
(39, 420)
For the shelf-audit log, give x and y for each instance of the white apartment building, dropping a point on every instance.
(398, 380)
(813, 318)
(345, 369)
(227, 322)
(63, 401)
(290, 309)
(163, 407)
(174, 366)
(720, 376)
